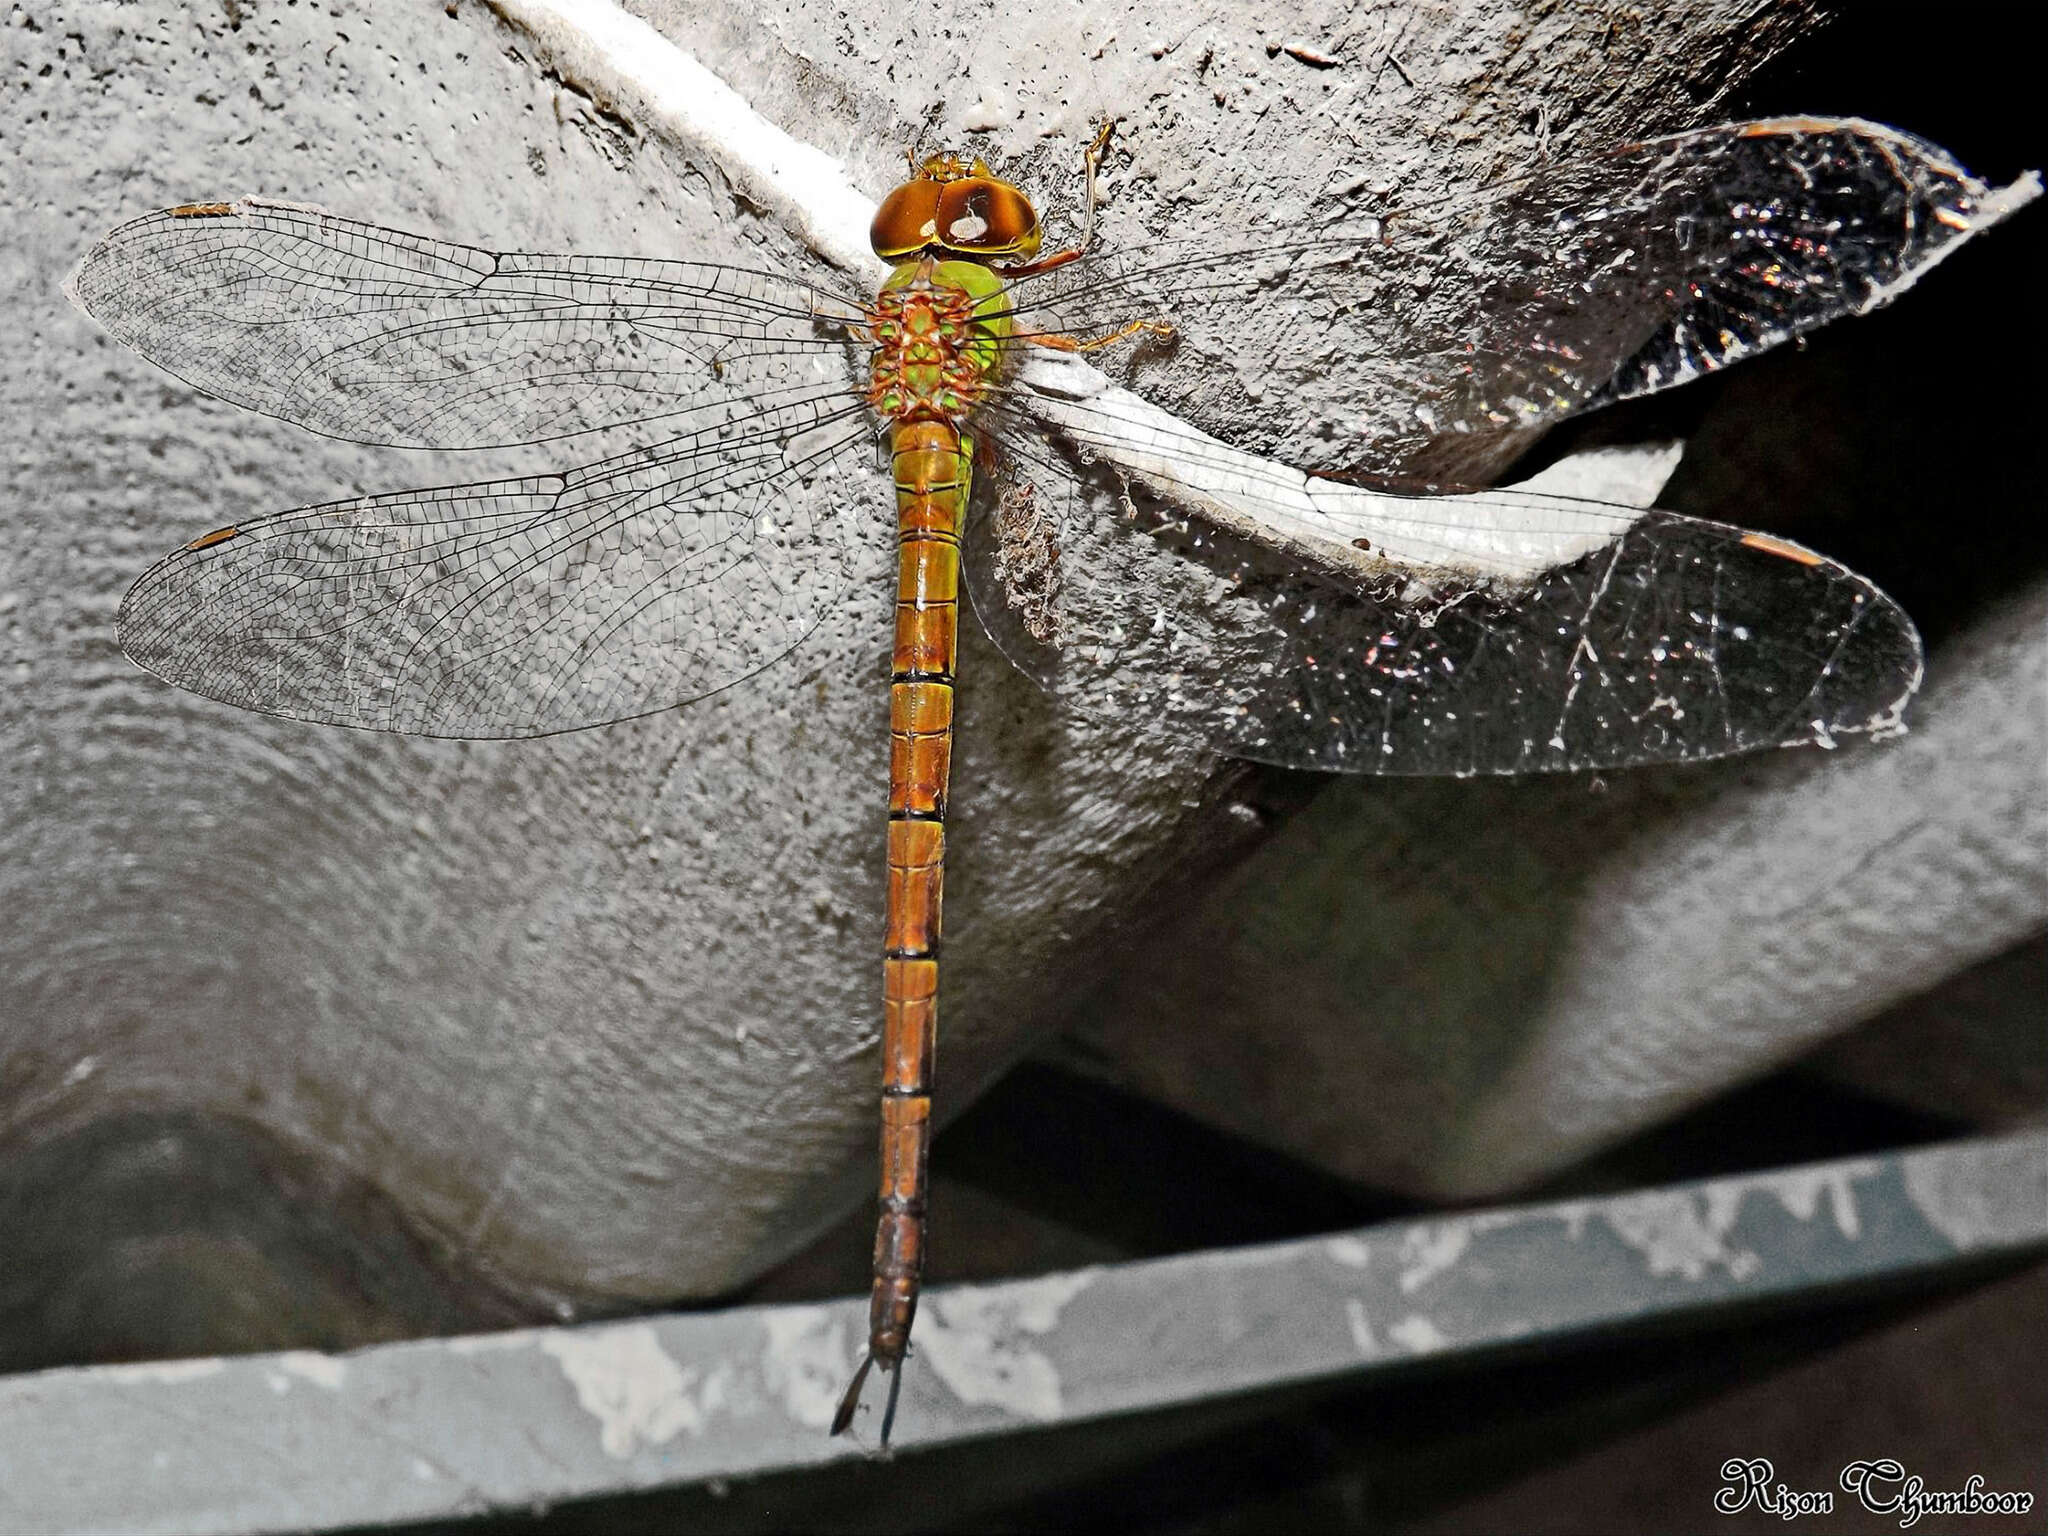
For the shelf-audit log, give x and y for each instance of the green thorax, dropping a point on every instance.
(940, 329)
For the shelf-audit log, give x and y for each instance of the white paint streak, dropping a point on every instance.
(1510, 533)
(1427, 1251)
(1361, 1328)
(623, 61)
(1973, 1206)
(168, 1371)
(1679, 1233)
(627, 1382)
(1574, 1216)
(327, 1371)
(1686, 1232)
(976, 1340)
(1351, 1252)
(1800, 1193)
(1418, 1335)
(510, 1341)
(805, 1360)
(1629, 475)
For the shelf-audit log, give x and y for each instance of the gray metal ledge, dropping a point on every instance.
(456, 1426)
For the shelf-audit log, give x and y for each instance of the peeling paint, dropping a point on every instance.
(1629, 475)
(328, 1371)
(805, 1360)
(1427, 1251)
(166, 1370)
(1680, 1233)
(1361, 1328)
(974, 1339)
(627, 1382)
(1574, 1214)
(1974, 1211)
(505, 1342)
(1800, 1192)
(1351, 1252)
(1684, 1232)
(1418, 1335)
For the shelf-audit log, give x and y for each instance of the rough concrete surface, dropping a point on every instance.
(595, 1014)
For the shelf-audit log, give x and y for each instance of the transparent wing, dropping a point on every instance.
(1673, 640)
(1362, 343)
(528, 606)
(380, 336)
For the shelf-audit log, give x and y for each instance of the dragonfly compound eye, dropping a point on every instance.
(975, 216)
(981, 216)
(907, 221)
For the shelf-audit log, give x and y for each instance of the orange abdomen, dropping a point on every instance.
(932, 471)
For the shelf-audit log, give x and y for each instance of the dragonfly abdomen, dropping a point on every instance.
(933, 470)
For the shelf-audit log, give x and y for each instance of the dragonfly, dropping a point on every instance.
(1194, 490)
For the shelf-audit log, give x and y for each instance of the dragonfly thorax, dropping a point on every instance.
(953, 208)
(938, 328)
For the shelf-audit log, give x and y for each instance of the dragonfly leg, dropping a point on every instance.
(1092, 161)
(1163, 329)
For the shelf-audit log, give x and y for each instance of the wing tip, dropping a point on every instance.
(69, 286)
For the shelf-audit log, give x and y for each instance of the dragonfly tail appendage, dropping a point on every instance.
(849, 1400)
(842, 1417)
(932, 471)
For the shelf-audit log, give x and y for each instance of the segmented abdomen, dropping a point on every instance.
(933, 470)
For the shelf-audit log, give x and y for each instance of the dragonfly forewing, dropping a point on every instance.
(1383, 336)
(379, 336)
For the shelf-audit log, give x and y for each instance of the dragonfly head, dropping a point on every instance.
(956, 208)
